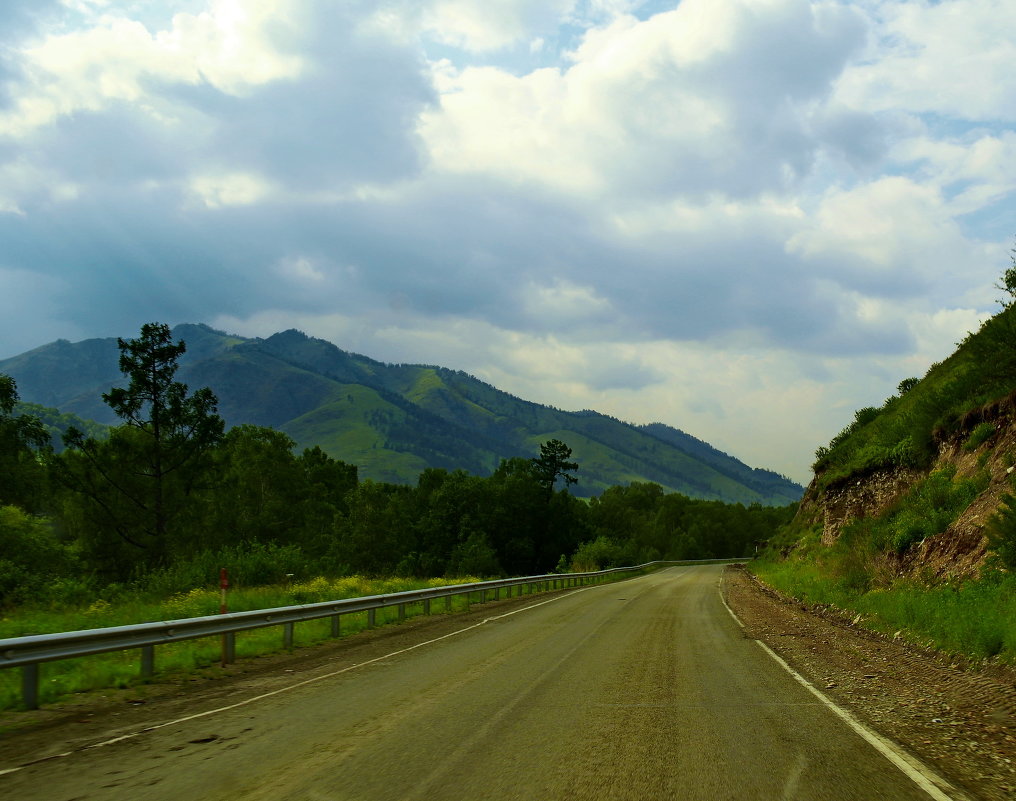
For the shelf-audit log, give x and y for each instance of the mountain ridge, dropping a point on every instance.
(395, 420)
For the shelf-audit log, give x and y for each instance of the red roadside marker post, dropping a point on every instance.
(227, 639)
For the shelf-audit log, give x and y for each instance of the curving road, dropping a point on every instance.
(645, 689)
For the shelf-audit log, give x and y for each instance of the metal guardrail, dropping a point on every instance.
(28, 652)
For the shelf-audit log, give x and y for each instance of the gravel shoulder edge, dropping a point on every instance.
(956, 716)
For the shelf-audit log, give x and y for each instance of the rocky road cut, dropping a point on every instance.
(643, 689)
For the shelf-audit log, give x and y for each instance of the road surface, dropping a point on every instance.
(644, 689)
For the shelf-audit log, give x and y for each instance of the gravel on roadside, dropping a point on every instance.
(956, 716)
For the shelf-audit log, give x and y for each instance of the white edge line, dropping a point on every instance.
(923, 776)
(289, 687)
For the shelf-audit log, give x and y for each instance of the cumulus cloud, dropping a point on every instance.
(938, 57)
(226, 47)
(741, 217)
(718, 94)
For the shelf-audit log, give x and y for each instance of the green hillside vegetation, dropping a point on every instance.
(954, 397)
(959, 400)
(394, 421)
(57, 423)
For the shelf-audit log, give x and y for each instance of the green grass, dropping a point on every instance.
(121, 669)
(952, 399)
(974, 618)
(981, 434)
(860, 573)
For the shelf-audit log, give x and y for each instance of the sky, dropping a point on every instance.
(742, 218)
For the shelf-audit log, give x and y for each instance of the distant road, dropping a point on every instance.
(645, 689)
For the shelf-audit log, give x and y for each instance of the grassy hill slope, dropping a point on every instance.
(393, 421)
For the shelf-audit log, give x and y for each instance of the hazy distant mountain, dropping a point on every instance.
(393, 421)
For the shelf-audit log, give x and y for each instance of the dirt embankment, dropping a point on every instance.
(961, 550)
(958, 717)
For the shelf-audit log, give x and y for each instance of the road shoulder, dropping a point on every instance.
(77, 722)
(957, 717)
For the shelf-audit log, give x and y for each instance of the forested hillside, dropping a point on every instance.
(395, 421)
(166, 496)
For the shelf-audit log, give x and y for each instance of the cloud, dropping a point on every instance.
(235, 90)
(741, 217)
(226, 47)
(719, 96)
(944, 58)
(887, 233)
(46, 297)
(474, 25)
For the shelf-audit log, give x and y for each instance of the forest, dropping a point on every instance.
(168, 496)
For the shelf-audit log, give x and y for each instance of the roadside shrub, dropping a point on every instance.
(31, 557)
(1001, 530)
(249, 565)
(929, 508)
(474, 557)
(598, 554)
(981, 434)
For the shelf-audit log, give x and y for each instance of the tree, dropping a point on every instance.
(141, 478)
(1008, 284)
(553, 463)
(906, 385)
(22, 438)
(377, 535)
(31, 556)
(261, 491)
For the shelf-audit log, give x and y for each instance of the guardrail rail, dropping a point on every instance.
(30, 651)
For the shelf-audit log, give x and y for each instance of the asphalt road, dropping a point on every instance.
(646, 689)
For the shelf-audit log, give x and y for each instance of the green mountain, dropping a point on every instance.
(394, 421)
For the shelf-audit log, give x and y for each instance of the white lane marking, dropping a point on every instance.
(289, 687)
(923, 776)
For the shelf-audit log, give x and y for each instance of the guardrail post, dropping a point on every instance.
(287, 636)
(402, 612)
(30, 685)
(448, 603)
(371, 618)
(229, 648)
(147, 661)
(335, 625)
(426, 606)
(497, 593)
